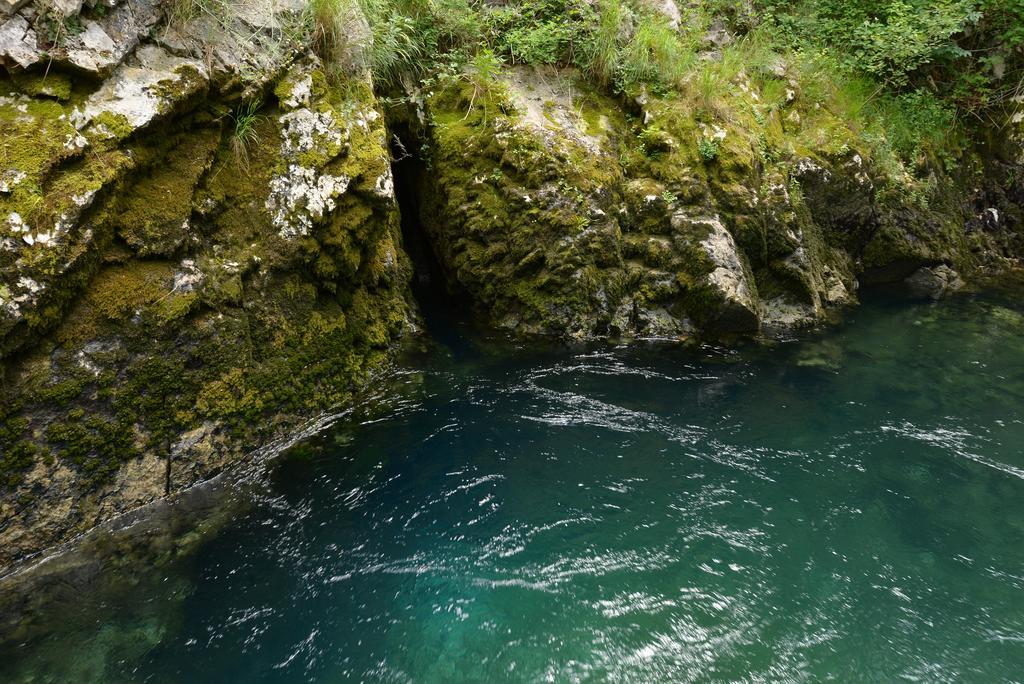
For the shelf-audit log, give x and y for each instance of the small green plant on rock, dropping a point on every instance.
(482, 74)
(707, 148)
(245, 135)
(58, 26)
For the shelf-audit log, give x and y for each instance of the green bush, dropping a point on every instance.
(544, 43)
(892, 39)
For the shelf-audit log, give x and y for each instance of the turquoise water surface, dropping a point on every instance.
(845, 507)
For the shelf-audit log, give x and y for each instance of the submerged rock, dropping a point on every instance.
(933, 282)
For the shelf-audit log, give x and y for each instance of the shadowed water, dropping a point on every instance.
(845, 507)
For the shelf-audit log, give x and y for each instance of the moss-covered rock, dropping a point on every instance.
(564, 212)
(200, 244)
(183, 277)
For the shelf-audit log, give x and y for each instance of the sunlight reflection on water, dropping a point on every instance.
(844, 507)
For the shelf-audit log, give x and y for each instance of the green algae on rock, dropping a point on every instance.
(562, 212)
(200, 244)
(169, 304)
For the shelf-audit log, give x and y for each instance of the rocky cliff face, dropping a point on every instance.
(199, 250)
(568, 214)
(200, 245)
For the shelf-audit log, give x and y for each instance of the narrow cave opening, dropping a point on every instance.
(443, 306)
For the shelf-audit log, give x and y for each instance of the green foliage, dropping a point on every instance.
(543, 32)
(619, 45)
(707, 148)
(543, 43)
(966, 51)
(599, 56)
(398, 42)
(653, 55)
(918, 125)
(892, 39)
(484, 68)
(245, 134)
(455, 24)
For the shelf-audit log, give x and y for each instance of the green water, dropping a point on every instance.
(846, 507)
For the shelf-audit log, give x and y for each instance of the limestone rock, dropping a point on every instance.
(138, 93)
(303, 192)
(933, 282)
(66, 8)
(18, 43)
(102, 44)
(268, 14)
(718, 35)
(106, 40)
(247, 48)
(737, 307)
(8, 7)
(301, 196)
(544, 103)
(668, 9)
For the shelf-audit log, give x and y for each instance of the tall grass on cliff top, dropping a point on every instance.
(615, 43)
(382, 36)
(327, 26)
(908, 70)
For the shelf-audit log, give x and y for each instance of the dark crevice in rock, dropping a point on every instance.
(893, 272)
(442, 303)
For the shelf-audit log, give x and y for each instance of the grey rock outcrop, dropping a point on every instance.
(189, 196)
(933, 282)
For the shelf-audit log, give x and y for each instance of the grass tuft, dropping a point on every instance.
(245, 134)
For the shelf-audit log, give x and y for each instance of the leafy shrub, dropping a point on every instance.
(892, 39)
(543, 43)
